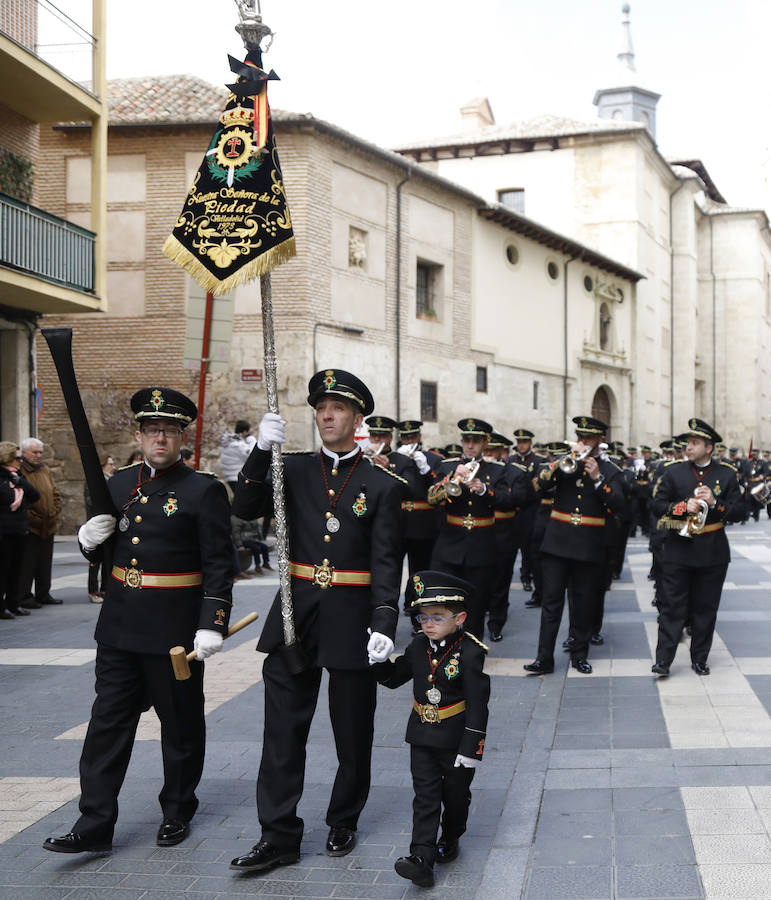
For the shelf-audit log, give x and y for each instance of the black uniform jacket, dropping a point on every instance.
(577, 531)
(182, 527)
(459, 676)
(676, 485)
(510, 524)
(332, 622)
(473, 544)
(419, 518)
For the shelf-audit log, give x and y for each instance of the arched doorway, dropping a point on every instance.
(601, 408)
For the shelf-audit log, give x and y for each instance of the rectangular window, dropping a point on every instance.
(428, 411)
(535, 395)
(481, 379)
(514, 198)
(426, 279)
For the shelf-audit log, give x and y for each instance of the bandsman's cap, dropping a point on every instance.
(475, 427)
(380, 423)
(632, 451)
(667, 444)
(680, 440)
(453, 450)
(163, 403)
(522, 434)
(644, 448)
(557, 447)
(589, 425)
(340, 383)
(701, 429)
(722, 446)
(409, 426)
(438, 588)
(734, 450)
(498, 440)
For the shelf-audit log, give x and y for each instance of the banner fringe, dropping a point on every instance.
(179, 254)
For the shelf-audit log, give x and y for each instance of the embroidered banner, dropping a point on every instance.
(235, 224)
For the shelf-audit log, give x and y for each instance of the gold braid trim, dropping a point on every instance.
(477, 641)
(389, 472)
(180, 255)
(668, 522)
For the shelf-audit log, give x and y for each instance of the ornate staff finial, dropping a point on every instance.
(251, 27)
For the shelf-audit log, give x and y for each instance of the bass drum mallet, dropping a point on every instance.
(180, 661)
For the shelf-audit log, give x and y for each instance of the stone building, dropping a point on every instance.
(448, 306)
(701, 327)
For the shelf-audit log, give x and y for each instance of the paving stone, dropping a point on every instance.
(654, 849)
(570, 883)
(658, 882)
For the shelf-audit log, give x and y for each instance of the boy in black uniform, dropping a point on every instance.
(447, 725)
(170, 585)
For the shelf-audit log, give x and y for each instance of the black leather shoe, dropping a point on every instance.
(700, 668)
(582, 666)
(72, 842)
(539, 667)
(531, 602)
(495, 635)
(264, 856)
(660, 669)
(568, 643)
(446, 850)
(171, 832)
(31, 603)
(527, 585)
(416, 869)
(51, 601)
(597, 639)
(341, 840)
(18, 611)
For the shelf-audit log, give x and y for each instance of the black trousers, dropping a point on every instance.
(10, 551)
(418, 559)
(688, 595)
(126, 685)
(37, 556)
(290, 701)
(501, 585)
(482, 579)
(442, 792)
(583, 580)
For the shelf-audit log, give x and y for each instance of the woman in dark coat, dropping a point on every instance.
(16, 494)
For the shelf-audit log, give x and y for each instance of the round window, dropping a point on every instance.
(512, 254)
(588, 283)
(553, 271)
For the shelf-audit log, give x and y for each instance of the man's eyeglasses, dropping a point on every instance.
(436, 619)
(172, 431)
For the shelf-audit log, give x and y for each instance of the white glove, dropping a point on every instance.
(96, 531)
(207, 642)
(272, 430)
(421, 462)
(466, 762)
(379, 648)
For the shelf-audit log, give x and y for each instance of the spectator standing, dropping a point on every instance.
(37, 546)
(247, 535)
(16, 493)
(236, 447)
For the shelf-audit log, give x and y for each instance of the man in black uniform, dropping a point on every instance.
(696, 496)
(344, 534)
(526, 457)
(469, 492)
(756, 480)
(574, 549)
(419, 518)
(170, 585)
(507, 535)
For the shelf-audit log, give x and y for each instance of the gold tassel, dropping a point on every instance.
(179, 254)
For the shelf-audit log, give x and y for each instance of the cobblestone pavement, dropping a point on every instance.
(615, 785)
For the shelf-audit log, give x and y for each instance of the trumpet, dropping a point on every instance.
(695, 522)
(408, 450)
(569, 462)
(371, 451)
(454, 486)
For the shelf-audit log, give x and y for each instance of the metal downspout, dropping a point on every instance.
(398, 347)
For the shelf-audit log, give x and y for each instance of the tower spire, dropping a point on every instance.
(626, 56)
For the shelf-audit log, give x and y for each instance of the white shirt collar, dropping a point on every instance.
(335, 458)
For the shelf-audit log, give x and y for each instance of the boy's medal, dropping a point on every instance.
(433, 695)
(124, 523)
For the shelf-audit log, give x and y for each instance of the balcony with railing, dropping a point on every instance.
(48, 60)
(45, 261)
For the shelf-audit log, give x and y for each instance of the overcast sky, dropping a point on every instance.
(398, 71)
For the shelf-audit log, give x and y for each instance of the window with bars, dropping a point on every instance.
(427, 278)
(428, 404)
(481, 379)
(513, 198)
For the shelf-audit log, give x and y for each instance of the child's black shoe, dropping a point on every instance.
(446, 850)
(416, 869)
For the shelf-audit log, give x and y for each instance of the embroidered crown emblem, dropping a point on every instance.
(156, 400)
(419, 586)
(470, 424)
(329, 379)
